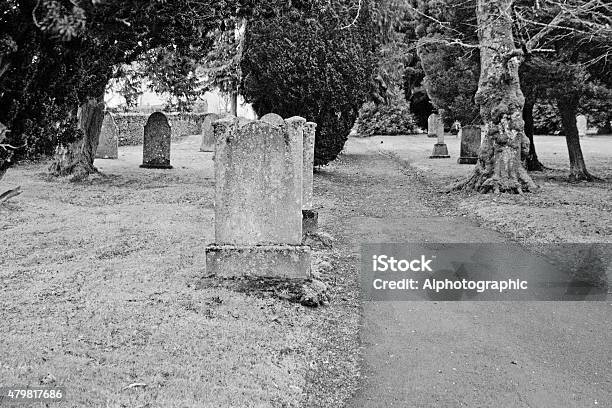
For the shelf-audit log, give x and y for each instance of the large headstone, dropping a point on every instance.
(581, 123)
(435, 126)
(108, 145)
(156, 148)
(208, 134)
(470, 145)
(310, 218)
(258, 199)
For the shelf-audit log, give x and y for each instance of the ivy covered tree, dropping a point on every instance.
(37, 88)
(543, 40)
(313, 59)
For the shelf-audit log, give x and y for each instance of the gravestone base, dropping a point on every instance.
(281, 261)
(310, 222)
(440, 151)
(467, 160)
(155, 166)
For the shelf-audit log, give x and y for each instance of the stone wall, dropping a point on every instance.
(131, 126)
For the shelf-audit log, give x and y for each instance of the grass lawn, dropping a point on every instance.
(559, 212)
(100, 291)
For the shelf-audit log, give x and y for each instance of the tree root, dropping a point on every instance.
(576, 177)
(7, 195)
(77, 171)
(484, 183)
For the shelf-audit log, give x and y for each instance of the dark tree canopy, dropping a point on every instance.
(447, 67)
(58, 55)
(311, 60)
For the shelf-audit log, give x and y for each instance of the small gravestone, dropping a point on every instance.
(310, 218)
(581, 124)
(470, 145)
(455, 128)
(273, 119)
(435, 126)
(258, 200)
(156, 148)
(436, 129)
(208, 135)
(108, 145)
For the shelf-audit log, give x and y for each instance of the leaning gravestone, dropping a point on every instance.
(310, 218)
(470, 145)
(208, 135)
(108, 146)
(581, 124)
(156, 148)
(258, 200)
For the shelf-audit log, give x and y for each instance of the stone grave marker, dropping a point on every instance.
(435, 126)
(436, 129)
(310, 217)
(156, 148)
(581, 124)
(258, 200)
(470, 144)
(273, 119)
(208, 135)
(108, 145)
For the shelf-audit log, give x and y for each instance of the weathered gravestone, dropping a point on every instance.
(108, 145)
(436, 129)
(581, 124)
(273, 119)
(310, 218)
(156, 148)
(470, 145)
(258, 200)
(435, 126)
(208, 134)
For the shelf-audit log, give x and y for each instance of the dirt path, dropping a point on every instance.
(460, 354)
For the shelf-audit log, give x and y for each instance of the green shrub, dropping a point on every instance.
(306, 59)
(391, 119)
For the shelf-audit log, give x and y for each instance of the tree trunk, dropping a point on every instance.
(499, 167)
(6, 152)
(531, 161)
(234, 103)
(76, 159)
(5, 163)
(568, 107)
